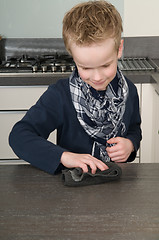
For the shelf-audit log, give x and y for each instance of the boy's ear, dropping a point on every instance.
(120, 51)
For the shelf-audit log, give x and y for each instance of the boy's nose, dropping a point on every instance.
(97, 75)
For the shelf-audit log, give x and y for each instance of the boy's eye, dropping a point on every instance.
(85, 68)
(105, 66)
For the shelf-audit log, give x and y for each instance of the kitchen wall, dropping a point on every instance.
(141, 18)
(43, 19)
(37, 18)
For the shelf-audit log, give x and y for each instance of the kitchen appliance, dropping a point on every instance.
(57, 63)
(137, 64)
(63, 64)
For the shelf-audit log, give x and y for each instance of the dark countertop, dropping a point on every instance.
(49, 78)
(29, 80)
(35, 205)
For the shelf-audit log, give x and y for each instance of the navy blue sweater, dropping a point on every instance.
(55, 110)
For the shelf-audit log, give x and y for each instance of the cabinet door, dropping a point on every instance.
(19, 98)
(155, 143)
(147, 114)
(7, 120)
(138, 86)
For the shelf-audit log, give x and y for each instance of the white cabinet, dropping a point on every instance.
(19, 98)
(147, 123)
(14, 102)
(7, 120)
(149, 149)
(149, 110)
(155, 141)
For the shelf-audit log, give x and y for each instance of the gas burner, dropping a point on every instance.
(27, 59)
(56, 63)
(47, 59)
(54, 56)
(64, 57)
(23, 59)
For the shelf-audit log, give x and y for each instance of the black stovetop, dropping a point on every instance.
(63, 63)
(38, 64)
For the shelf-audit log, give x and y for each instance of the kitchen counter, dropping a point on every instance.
(35, 205)
(49, 78)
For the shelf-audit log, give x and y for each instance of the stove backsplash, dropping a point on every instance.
(31, 47)
(133, 47)
(142, 47)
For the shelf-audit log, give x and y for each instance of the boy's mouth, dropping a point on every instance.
(98, 82)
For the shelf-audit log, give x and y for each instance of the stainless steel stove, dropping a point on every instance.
(39, 64)
(62, 64)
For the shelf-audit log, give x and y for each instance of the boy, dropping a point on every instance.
(95, 111)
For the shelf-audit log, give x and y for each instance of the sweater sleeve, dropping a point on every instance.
(134, 130)
(28, 138)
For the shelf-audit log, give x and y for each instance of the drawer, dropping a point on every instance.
(19, 98)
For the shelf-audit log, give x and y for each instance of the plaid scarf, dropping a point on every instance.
(101, 116)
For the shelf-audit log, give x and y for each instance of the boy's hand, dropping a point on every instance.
(121, 150)
(71, 160)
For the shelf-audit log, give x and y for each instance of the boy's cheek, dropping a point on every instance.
(84, 77)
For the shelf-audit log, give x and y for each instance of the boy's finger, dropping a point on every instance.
(113, 140)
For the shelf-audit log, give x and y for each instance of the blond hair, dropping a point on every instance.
(92, 22)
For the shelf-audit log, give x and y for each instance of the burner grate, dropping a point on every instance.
(136, 64)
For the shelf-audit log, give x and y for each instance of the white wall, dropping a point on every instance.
(37, 18)
(141, 18)
(33, 18)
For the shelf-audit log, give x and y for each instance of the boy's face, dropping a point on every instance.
(97, 63)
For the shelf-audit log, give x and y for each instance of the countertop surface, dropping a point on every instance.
(29, 79)
(35, 205)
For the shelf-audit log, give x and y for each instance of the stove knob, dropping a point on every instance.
(72, 68)
(63, 68)
(24, 58)
(44, 68)
(53, 68)
(34, 68)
